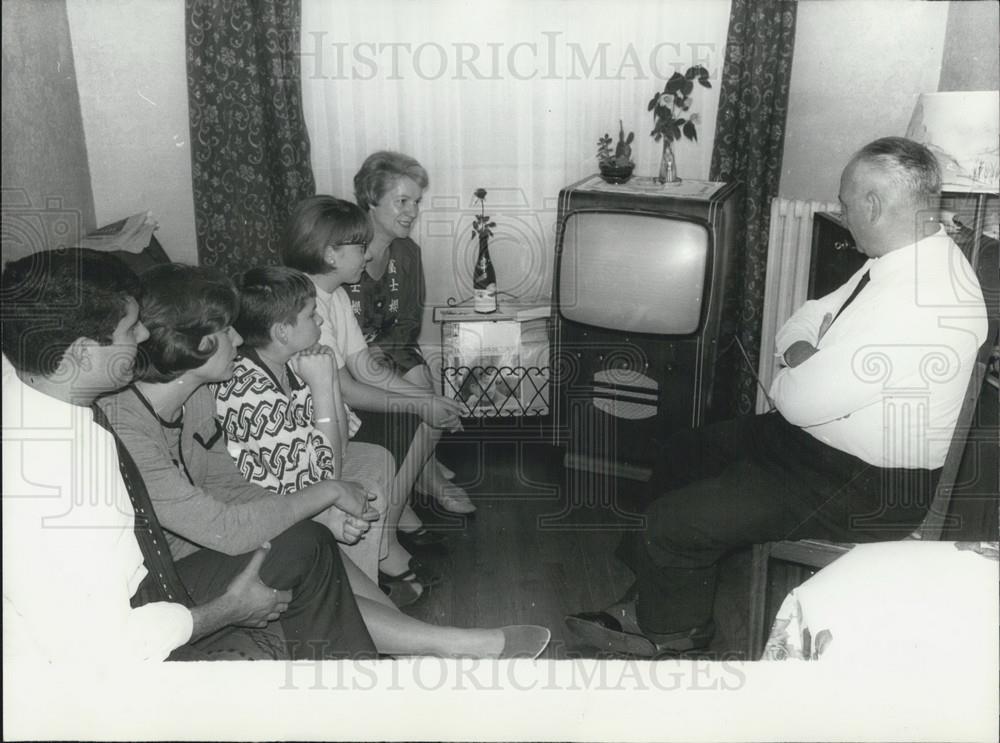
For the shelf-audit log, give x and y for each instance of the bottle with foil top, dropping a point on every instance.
(484, 279)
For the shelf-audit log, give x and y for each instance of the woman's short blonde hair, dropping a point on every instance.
(379, 173)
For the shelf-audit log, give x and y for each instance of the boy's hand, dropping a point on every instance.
(349, 529)
(316, 365)
(352, 497)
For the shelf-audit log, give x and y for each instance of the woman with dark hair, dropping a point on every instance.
(167, 420)
(389, 299)
(327, 238)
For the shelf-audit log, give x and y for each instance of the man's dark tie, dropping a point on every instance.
(163, 583)
(857, 290)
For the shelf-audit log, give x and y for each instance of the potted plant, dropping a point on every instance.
(617, 167)
(669, 121)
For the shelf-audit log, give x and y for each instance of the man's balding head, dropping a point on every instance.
(885, 191)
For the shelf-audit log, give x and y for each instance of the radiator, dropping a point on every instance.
(787, 280)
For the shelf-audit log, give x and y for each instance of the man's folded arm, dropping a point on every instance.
(851, 374)
(805, 322)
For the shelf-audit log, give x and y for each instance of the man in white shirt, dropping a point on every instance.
(866, 406)
(72, 562)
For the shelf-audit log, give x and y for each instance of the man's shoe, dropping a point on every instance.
(616, 630)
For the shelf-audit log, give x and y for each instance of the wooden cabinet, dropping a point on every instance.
(835, 258)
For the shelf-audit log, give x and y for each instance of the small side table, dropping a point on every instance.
(497, 365)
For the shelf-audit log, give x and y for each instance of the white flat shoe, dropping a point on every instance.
(446, 473)
(450, 497)
(524, 641)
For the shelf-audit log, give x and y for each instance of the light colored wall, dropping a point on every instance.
(859, 66)
(132, 77)
(972, 47)
(47, 201)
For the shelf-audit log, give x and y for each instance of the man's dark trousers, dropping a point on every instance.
(748, 481)
(322, 620)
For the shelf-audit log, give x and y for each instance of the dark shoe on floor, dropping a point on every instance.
(617, 631)
(406, 588)
(403, 590)
(422, 541)
(427, 575)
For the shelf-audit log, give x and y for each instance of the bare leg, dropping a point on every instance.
(396, 559)
(421, 377)
(396, 633)
(434, 477)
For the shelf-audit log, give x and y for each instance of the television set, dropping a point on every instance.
(644, 291)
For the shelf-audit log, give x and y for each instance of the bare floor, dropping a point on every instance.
(541, 544)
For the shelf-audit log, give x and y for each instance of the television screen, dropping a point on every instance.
(633, 272)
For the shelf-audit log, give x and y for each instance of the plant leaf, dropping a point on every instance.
(689, 131)
(674, 83)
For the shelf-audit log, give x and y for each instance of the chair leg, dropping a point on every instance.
(758, 600)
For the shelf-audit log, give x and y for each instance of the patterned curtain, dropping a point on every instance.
(749, 138)
(249, 146)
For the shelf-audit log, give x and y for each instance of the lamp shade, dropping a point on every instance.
(962, 129)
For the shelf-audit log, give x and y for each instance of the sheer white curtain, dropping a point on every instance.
(509, 96)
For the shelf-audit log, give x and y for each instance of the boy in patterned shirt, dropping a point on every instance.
(285, 421)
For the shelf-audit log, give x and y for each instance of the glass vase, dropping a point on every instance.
(668, 166)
